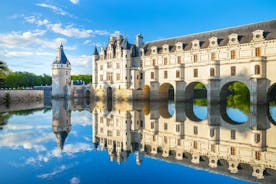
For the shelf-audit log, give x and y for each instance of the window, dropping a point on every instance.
(165, 140)
(257, 138)
(195, 145)
(179, 142)
(258, 155)
(101, 67)
(212, 72)
(165, 61)
(177, 128)
(212, 132)
(233, 54)
(195, 72)
(101, 77)
(233, 70)
(118, 65)
(165, 74)
(213, 56)
(165, 126)
(177, 74)
(109, 76)
(152, 75)
(233, 150)
(195, 130)
(141, 75)
(213, 148)
(258, 52)
(233, 134)
(152, 125)
(154, 138)
(195, 58)
(109, 65)
(179, 59)
(118, 77)
(257, 70)
(153, 62)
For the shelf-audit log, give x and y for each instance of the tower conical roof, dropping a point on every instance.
(61, 57)
(95, 53)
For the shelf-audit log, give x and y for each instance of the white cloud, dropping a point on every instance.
(74, 180)
(56, 171)
(74, 1)
(30, 19)
(26, 54)
(55, 9)
(70, 31)
(86, 42)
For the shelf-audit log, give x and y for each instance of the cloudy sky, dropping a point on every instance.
(30, 31)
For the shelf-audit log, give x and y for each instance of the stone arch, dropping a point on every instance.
(224, 93)
(166, 91)
(271, 96)
(146, 92)
(190, 92)
(109, 93)
(163, 110)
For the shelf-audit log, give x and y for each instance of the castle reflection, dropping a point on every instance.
(217, 143)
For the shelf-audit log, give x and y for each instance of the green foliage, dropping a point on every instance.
(199, 86)
(200, 102)
(25, 79)
(4, 71)
(7, 99)
(86, 78)
(240, 98)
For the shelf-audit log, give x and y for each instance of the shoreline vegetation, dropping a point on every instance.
(22, 80)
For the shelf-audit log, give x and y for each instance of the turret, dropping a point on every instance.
(139, 40)
(61, 75)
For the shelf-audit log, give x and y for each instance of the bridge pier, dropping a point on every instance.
(258, 87)
(154, 91)
(179, 91)
(213, 96)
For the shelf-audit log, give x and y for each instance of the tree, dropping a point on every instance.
(4, 71)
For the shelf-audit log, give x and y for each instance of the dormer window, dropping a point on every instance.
(154, 49)
(195, 44)
(258, 35)
(165, 48)
(213, 42)
(179, 46)
(233, 39)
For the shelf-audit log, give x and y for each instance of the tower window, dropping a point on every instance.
(233, 150)
(233, 134)
(177, 128)
(153, 62)
(233, 54)
(165, 126)
(233, 70)
(212, 72)
(177, 74)
(179, 59)
(195, 130)
(165, 74)
(152, 75)
(195, 72)
(165, 61)
(213, 56)
(258, 52)
(257, 70)
(195, 58)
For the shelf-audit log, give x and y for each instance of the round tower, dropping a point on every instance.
(61, 75)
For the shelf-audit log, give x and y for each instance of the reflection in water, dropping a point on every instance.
(61, 121)
(247, 150)
(175, 133)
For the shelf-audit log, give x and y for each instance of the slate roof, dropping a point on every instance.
(61, 57)
(244, 32)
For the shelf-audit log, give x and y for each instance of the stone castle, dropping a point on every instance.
(216, 59)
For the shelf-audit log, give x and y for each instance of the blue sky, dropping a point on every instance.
(30, 31)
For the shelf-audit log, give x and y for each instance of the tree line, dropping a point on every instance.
(18, 80)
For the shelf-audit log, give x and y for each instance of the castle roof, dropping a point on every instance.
(244, 36)
(61, 57)
(95, 53)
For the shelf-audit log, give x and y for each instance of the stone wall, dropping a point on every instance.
(22, 96)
